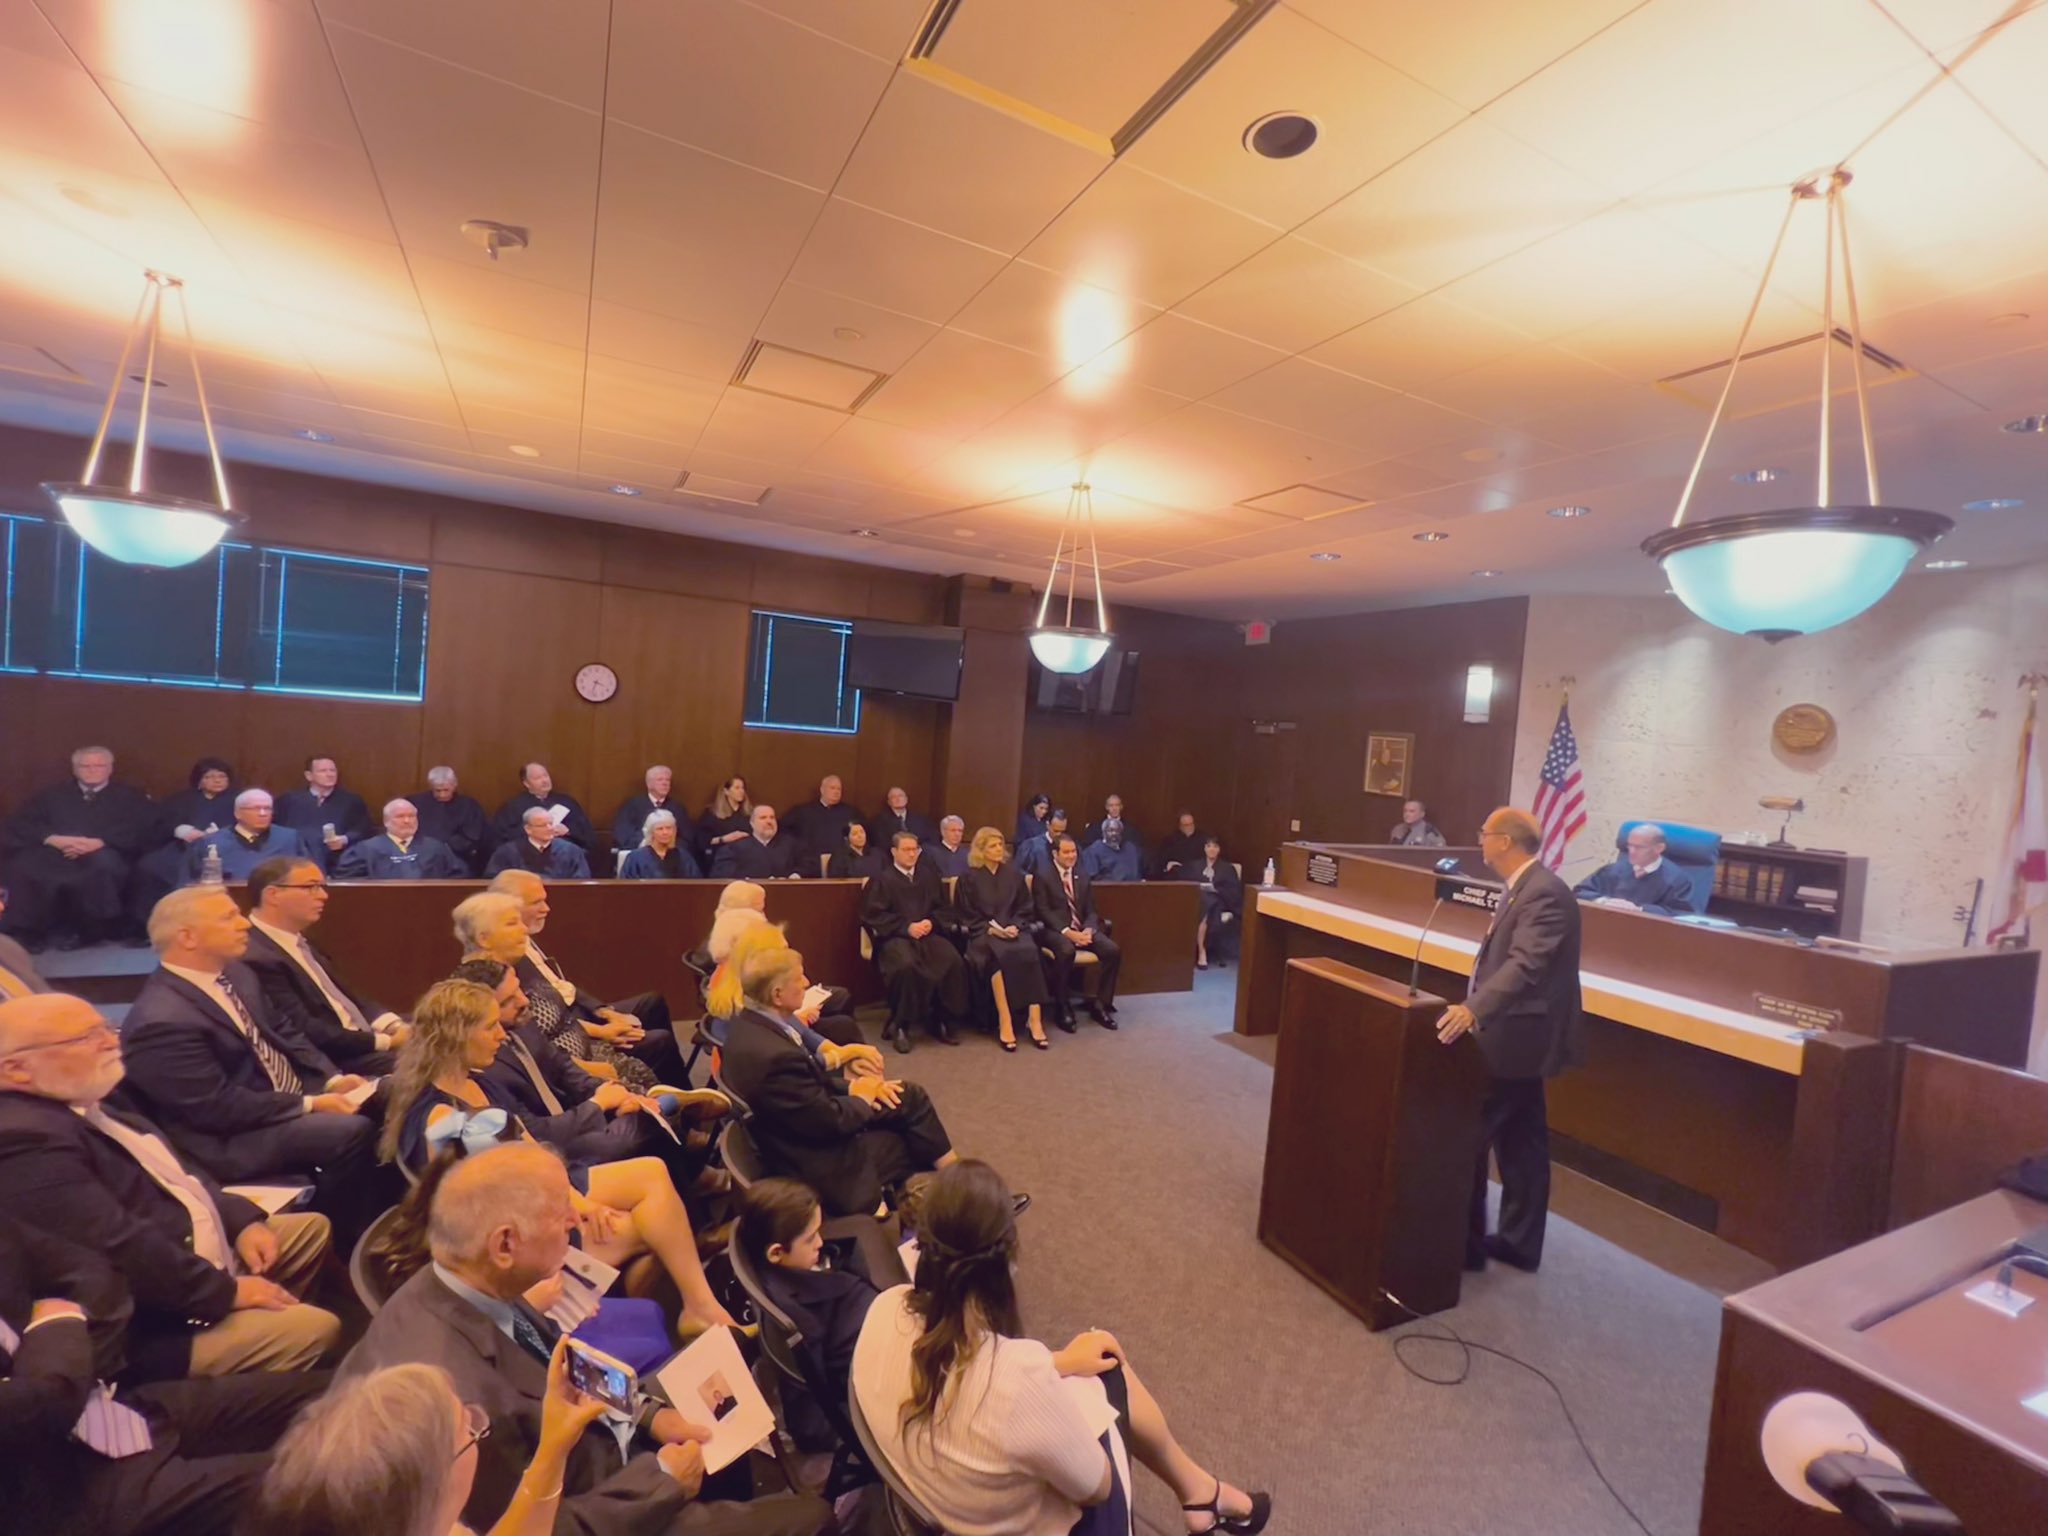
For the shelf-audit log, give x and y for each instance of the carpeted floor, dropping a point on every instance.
(1143, 1150)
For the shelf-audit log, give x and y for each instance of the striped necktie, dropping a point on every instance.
(112, 1428)
(283, 1077)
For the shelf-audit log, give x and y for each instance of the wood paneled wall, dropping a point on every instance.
(519, 600)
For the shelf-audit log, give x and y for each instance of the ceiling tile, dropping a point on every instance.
(888, 262)
(557, 49)
(1424, 340)
(1040, 311)
(875, 451)
(826, 325)
(1521, 385)
(1301, 394)
(880, 27)
(1204, 456)
(958, 383)
(762, 426)
(1135, 234)
(1292, 295)
(1185, 357)
(927, 156)
(1940, 24)
(709, 351)
(628, 397)
(465, 293)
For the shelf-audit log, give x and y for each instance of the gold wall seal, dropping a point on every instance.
(1803, 728)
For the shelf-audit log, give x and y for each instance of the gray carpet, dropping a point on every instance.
(1143, 1150)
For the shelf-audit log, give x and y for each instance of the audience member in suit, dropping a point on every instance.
(249, 842)
(67, 853)
(923, 972)
(1182, 851)
(820, 826)
(444, 1093)
(727, 821)
(852, 1140)
(1036, 858)
(488, 926)
(1070, 924)
(1003, 949)
(399, 852)
(1414, 829)
(766, 853)
(216, 1286)
(301, 987)
(947, 1381)
(206, 805)
(1523, 1010)
(18, 974)
(1113, 858)
(949, 853)
(1222, 904)
(1112, 816)
(241, 1093)
(500, 1227)
(173, 1458)
(637, 1025)
(452, 819)
(661, 854)
(1033, 822)
(327, 817)
(540, 849)
(855, 858)
(1640, 879)
(537, 792)
(630, 825)
(899, 817)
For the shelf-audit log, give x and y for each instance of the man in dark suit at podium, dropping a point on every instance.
(1523, 1010)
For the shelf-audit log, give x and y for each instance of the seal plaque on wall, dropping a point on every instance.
(1803, 728)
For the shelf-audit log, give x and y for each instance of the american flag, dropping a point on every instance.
(1561, 793)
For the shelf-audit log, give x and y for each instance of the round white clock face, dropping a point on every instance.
(597, 682)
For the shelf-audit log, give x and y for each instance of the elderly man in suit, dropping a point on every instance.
(216, 1286)
(399, 852)
(452, 818)
(67, 852)
(77, 1458)
(300, 986)
(240, 848)
(241, 1092)
(923, 972)
(627, 826)
(1523, 1009)
(1065, 898)
(541, 848)
(500, 1226)
(328, 818)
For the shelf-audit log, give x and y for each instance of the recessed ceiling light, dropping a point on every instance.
(1281, 135)
(1993, 504)
(2028, 424)
(848, 333)
(313, 436)
(1946, 565)
(525, 452)
(864, 533)
(1571, 511)
(1430, 536)
(1326, 555)
(625, 490)
(1755, 476)
(1486, 573)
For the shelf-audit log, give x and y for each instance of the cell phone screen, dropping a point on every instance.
(607, 1381)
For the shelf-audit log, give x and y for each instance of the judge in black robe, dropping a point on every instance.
(768, 853)
(1112, 816)
(1003, 926)
(630, 825)
(902, 909)
(70, 890)
(1222, 905)
(662, 856)
(537, 788)
(899, 817)
(206, 805)
(1035, 858)
(820, 826)
(1180, 852)
(542, 850)
(452, 819)
(855, 858)
(1641, 878)
(321, 804)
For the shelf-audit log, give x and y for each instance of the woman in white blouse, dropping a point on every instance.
(994, 1433)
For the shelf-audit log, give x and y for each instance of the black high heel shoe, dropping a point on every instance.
(1235, 1525)
(1008, 1045)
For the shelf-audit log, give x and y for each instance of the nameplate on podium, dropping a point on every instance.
(1468, 893)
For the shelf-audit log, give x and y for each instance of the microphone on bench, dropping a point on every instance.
(1444, 866)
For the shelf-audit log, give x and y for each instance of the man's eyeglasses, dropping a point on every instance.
(100, 1031)
(476, 1425)
(302, 885)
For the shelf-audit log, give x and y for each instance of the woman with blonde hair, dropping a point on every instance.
(741, 905)
(834, 1038)
(1003, 951)
(440, 1100)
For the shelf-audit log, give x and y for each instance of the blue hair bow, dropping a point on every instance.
(479, 1131)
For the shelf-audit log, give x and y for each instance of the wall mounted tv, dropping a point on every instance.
(920, 660)
(1109, 688)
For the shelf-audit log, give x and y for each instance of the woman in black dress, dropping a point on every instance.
(1004, 947)
(1222, 905)
(854, 859)
(207, 806)
(727, 820)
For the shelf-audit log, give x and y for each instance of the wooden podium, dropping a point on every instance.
(1372, 1143)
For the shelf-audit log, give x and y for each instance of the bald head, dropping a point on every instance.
(1509, 839)
(501, 1218)
(54, 1046)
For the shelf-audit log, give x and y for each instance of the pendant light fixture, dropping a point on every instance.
(1798, 569)
(136, 526)
(1062, 647)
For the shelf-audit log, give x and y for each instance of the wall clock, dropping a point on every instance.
(596, 682)
(1803, 728)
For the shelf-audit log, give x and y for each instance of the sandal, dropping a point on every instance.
(1236, 1525)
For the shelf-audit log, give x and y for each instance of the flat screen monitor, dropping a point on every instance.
(1110, 687)
(921, 660)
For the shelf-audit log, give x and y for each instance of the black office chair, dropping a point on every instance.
(907, 1516)
(362, 1274)
(741, 1157)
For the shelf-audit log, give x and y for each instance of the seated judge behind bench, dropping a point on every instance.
(66, 854)
(1113, 857)
(541, 848)
(661, 854)
(949, 853)
(216, 1285)
(766, 853)
(926, 979)
(537, 792)
(300, 986)
(452, 818)
(241, 847)
(1639, 879)
(820, 827)
(328, 818)
(400, 853)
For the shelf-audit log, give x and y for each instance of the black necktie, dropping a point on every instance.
(283, 1077)
(533, 1335)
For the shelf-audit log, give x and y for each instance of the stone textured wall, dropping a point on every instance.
(1674, 720)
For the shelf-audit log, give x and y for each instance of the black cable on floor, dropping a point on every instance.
(1467, 1346)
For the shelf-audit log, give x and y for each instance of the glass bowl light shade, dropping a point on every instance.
(141, 528)
(1794, 571)
(1068, 651)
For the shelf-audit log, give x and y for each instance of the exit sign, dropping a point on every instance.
(1258, 632)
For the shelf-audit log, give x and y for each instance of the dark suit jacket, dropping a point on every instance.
(889, 903)
(1050, 897)
(777, 859)
(571, 1084)
(60, 1174)
(424, 1322)
(297, 809)
(1525, 981)
(378, 858)
(458, 822)
(190, 1070)
(292, 998)
(804, 1121)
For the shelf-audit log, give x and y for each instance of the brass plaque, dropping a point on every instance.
(1803, 728)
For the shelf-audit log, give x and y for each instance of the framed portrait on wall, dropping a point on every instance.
(1387, 758)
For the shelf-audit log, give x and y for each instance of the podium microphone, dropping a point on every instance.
(1446, 869)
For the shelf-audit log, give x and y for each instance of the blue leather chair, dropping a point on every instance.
(1693, 852)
